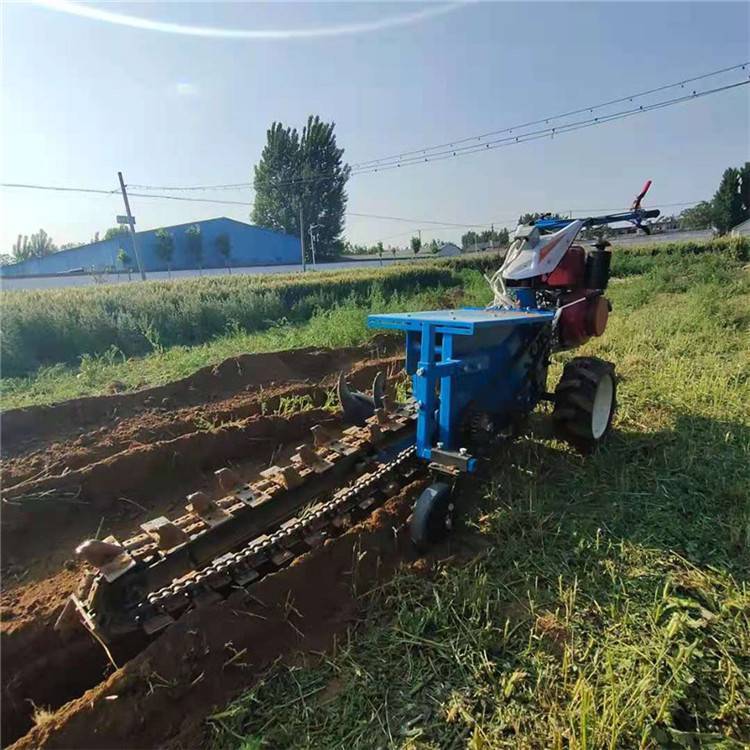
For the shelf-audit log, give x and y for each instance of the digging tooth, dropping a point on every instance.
(206, 509)
(99, 553)
(310, 457)
(166, 534)
(321, 436)
(227, 479)
(200, 503)
(287, 476)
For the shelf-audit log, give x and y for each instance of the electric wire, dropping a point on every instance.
(546, 120)
(453, 149)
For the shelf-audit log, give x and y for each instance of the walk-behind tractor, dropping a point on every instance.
(476, 374)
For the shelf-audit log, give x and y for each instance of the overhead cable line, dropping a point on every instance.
(549, 132)
(452, 149)
(114, 192)
(546, 120)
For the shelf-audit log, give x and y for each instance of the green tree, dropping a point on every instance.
(40, 244)
(731, 203)
(21, 249)
(699, 216)
(113, 232)
(497, 238)
(164, 247)
(416, 244)
(195, 245)
(6, 259)
(223, 245)
(125, 260)
(470, 239)
(302, 172)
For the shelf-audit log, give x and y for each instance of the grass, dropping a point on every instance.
(61, 326)
(58, 344)
(605, 602)
(341, 325)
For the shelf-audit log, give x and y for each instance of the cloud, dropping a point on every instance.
(186, 89)
(138, 22)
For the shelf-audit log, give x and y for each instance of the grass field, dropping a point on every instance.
(598, 602)
(59, 344)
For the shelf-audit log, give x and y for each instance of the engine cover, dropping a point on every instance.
(582, 320)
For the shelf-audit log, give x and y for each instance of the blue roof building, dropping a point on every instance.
(249, 245)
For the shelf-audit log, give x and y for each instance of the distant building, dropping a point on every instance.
(741, 230)
(249, 245)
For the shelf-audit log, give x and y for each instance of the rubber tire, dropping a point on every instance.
(432, 517)
(574, 401)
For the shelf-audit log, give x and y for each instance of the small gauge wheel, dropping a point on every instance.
(432, 519)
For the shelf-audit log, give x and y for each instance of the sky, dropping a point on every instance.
(84, 97)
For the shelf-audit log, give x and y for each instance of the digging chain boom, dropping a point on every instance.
(148, 581)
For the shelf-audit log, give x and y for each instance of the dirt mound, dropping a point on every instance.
(23, 429)
(164, 694)
(130, 469)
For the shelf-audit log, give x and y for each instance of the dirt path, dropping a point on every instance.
(133, 462)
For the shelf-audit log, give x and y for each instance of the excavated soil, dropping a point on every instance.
(100, 466)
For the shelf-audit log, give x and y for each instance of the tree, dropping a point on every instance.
(416, 244)
(495, 238)
(113, 232)
(125, 260)
(41, 244)
(304, 173)
(393, 251)
(379, 248)
(731, 203)
(223, 246)
(6, 259)
(699, 216)
(165, 247)
(21, 249)
(195, 244)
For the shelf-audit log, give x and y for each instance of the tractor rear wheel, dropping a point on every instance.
(585, 401)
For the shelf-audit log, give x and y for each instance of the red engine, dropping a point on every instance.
(585, 311)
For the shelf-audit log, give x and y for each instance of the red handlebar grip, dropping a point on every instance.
(643, 192)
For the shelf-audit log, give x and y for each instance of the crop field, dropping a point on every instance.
(584, 602)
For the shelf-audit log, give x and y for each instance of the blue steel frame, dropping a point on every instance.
(461, 357)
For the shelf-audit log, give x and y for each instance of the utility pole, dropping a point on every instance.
(131, 224)
(312, 243)
(302, 235)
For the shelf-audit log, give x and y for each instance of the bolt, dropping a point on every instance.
(439, 446)
(463, 451)
(420, 372)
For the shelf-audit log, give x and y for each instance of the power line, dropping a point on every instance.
(546, 120)
(477, 143)
(430, 222)
(113, 192)
(547, 132)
